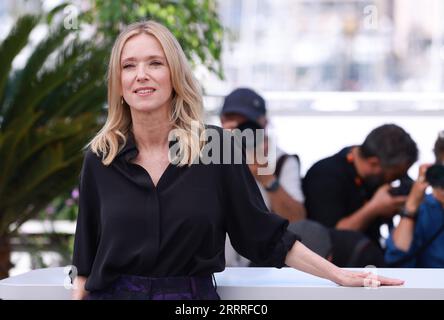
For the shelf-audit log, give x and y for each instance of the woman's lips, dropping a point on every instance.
(143, 92)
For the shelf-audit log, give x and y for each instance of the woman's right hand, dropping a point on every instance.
(349, 278)
(416, 195)
(79, 292)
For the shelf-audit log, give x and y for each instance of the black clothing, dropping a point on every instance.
(333, 190)
(126, 225)
(351, 249)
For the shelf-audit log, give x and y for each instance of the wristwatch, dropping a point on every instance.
(409, 215)
(273, 185)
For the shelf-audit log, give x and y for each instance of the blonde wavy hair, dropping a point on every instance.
(186, 106)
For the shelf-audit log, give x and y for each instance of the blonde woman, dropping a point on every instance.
(148, 228)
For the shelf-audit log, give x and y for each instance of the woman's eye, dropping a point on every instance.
(126, 66)
(156, 63)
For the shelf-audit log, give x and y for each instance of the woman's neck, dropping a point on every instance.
(151, 129)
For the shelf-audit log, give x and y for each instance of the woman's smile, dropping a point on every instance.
(144, 91)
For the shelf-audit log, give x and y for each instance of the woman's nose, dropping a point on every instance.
(142, 73)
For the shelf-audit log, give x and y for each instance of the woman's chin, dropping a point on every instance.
(146, 107)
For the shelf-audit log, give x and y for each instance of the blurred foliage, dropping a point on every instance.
(58, 242)
(64, 207)
(194, 23)
(49, 110)
(37, 246)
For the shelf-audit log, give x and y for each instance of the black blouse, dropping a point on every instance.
(126, 225)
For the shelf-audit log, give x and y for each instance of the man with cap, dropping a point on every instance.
(282, 191)
(241, 105)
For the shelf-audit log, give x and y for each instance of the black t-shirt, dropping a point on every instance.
(333, 191)
(126, 225)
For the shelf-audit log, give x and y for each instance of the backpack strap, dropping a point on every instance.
(280, 162)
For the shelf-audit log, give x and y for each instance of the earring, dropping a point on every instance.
(121, 101)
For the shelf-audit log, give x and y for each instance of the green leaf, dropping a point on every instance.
(52, 112)
(12, 138)
(55, 10)
(11, 47)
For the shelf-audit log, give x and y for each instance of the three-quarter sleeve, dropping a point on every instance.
(88, 223)
(255, 233)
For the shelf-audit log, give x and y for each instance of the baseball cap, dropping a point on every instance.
(246, 102)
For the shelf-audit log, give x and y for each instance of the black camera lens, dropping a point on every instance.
(256, 138)
(403, 188)
(435, 175)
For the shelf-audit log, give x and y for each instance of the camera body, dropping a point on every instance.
(434, 176)
(401, 187)
(257, 134)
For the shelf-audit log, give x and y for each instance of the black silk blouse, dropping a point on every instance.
(126, 225)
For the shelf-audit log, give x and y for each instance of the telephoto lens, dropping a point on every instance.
(403, 188)
(256, 137)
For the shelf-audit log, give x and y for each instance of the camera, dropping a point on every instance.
(435, 176)
(401, 187)
(254, 138)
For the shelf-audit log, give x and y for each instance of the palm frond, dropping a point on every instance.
(37, 199)
(11, 46)
(70, 96)
(54, 11)
(10, 141)
(47, 152)
(52, 111)
(31, 96)
(39, 56)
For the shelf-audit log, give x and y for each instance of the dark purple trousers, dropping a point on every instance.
(130, 287)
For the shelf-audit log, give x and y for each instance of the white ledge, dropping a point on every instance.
(253, 284)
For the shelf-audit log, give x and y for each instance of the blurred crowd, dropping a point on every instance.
(340, 204)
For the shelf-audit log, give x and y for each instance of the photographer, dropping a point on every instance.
(418, 240)
(282, 191)
(350, 190)
(245, 109)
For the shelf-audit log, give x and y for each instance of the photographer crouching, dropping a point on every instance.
(418, 240)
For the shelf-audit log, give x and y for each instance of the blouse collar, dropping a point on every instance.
(129, 150)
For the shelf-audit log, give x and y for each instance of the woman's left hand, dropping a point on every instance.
(348, 278)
